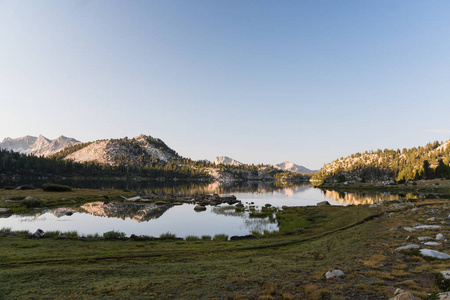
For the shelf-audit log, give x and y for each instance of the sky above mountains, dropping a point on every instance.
(259, 81)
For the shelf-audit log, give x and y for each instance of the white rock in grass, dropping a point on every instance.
(408, 247)
(440, 237)
(446, 274)
(334, 273)
(443, 296)
(404, 296)
(432, 244)
(424, 238)
(434, 254)
(428, 227)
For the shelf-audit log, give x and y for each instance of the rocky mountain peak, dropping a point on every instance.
(39, 146)
(290, 166)
(226, 161)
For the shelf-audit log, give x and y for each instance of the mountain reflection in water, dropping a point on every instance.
(363, 198)
(136, 212)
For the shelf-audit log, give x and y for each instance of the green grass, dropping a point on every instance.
(285, 265)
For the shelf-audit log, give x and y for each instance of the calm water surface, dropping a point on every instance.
(182, 220)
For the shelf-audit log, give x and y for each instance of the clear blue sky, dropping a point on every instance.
(259, 81)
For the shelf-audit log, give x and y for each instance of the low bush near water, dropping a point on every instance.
(51, 187)
(114, 235)
(192, 238)
(220, 237)
(206, 237)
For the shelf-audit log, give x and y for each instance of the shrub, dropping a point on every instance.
(114, 235)
(31, 203)
(220, 237)
(206, 237)
(72, 234)
(167, 235)
(192, 238)
(6, 229)
(55, 233)
(51, 187)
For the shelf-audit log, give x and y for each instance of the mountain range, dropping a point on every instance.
(285, 166)
(38, 146)
(141, 150)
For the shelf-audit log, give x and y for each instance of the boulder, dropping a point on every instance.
(5, 211)
(432, 219)
(434, 254)
(432, 244)
(443, 296)
(242, 237)
(200, 207)
(446, 274)
(39, 234)
(133, 199)
(424, 238)
(404, 296)
(428, 227)
(29, 198)
(409, 229)
(407, 247)
(68, 213)
(240, 204)
(440, 237)
(323, 203)
(334, 274)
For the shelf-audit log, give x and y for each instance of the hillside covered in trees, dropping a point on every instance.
(428, 162)
(142, 156)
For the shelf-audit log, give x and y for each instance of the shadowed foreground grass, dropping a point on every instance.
(358, 240)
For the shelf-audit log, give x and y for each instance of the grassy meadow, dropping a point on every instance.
(289, 264)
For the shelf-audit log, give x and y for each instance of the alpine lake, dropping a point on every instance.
(181, 219)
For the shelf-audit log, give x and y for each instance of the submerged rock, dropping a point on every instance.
(323, 203)
(334, 274)
(200, 208)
